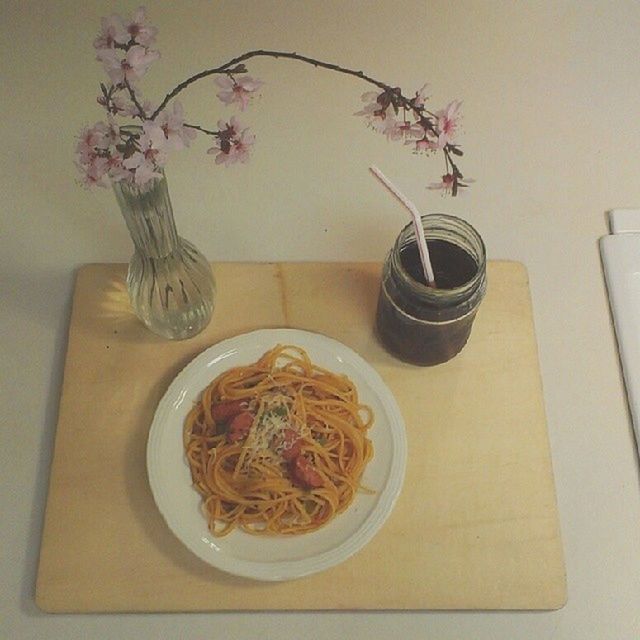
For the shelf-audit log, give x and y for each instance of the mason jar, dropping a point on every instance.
(428, 325)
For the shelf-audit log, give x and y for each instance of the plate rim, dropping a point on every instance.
(362, 535)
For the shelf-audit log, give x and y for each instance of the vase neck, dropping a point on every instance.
(149, 216)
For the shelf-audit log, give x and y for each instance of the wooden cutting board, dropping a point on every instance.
(476, 524)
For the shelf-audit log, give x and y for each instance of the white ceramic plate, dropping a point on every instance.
(277, 557)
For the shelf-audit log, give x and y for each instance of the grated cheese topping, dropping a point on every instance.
(266, 439)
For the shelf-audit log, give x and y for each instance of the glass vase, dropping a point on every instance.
(170, 283)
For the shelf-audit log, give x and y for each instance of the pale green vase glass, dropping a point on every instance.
(170, 283)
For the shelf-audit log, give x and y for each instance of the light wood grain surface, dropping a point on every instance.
(475, 527)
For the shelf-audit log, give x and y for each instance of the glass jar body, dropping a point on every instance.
(424, 325)
(170, 283)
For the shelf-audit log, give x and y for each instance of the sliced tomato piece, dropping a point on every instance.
(239, 427)
(224, 411)
(304, 474)
(292, 445)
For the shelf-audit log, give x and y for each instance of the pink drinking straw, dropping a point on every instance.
(417, 223)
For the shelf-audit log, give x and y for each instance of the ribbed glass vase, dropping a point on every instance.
(171, 285)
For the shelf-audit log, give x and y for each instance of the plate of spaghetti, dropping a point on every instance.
(276, 454)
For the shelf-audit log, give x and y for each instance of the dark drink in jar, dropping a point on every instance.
(426, 325)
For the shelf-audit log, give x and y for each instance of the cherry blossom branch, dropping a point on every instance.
(454, 172)
(235, 66)
(134, 99)
(138, 152)
(395, 96)
(202, 129)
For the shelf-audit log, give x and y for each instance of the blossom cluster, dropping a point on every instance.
(408, 120)
(137, 150)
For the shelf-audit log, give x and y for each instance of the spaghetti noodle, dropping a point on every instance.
(278, 446)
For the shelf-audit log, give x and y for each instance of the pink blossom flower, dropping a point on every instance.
(229, 130)
(240, 149)
(234, 143)
(372, 108)
(116, 169)
(448, 120)
(93, 140)
(131, 67)
(150, 156)
(237, 90)
(139, 30)
(385, 123)
(402, 130)
(393, 128)
(112, 32)
(172, 124)
(110, 133)
(445, 185)
(153, 136)
(87, 142)
(98, 155)
(94, 171)
(424, 144)
(447, 182)
(380, 114)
